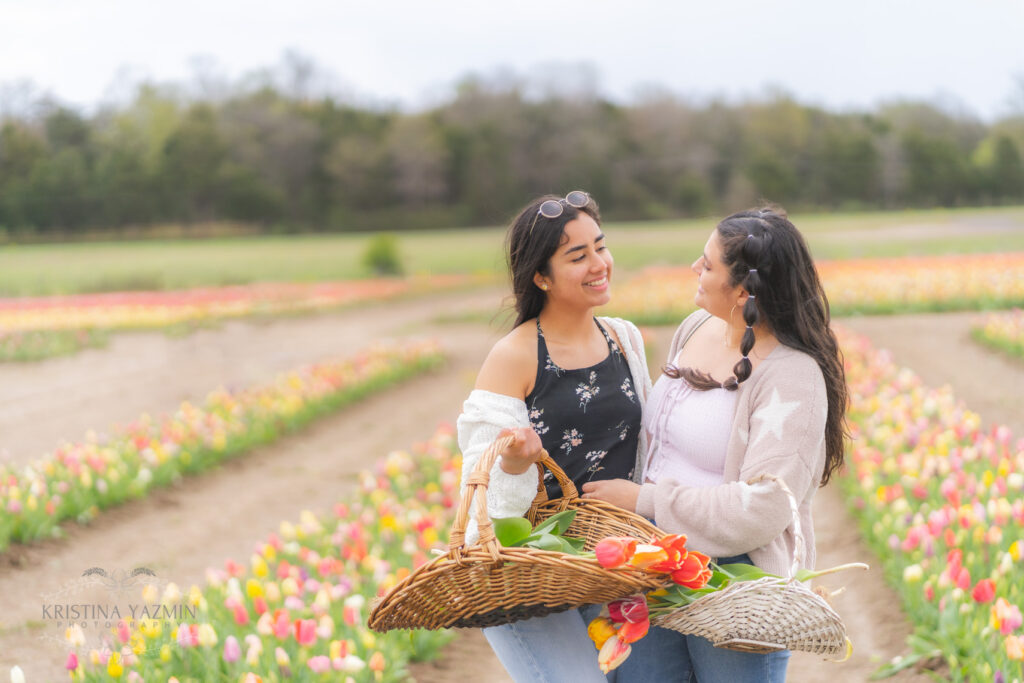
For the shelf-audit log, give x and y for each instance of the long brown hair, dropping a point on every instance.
(768, 256)
(531, 241)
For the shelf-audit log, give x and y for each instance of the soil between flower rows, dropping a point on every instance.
(181, 531)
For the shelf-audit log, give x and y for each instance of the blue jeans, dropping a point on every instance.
(551, 649)
(666, 656)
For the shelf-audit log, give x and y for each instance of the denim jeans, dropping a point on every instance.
(668, 656)
(551, 649)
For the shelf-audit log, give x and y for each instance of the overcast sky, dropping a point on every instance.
(840, 54)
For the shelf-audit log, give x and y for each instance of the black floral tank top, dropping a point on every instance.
(588, 419)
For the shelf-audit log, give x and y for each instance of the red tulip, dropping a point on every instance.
(632, 609)
(984, 591)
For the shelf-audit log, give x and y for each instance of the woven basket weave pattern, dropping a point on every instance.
(487, 584)
(764, 615)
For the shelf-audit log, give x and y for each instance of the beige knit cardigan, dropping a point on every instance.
(778, 428)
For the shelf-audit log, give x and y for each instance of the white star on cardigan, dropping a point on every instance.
(773, 416)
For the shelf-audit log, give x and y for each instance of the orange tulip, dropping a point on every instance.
(675, 547)
(694, 572)
(630, 632)
(615, 551)
(646, 556)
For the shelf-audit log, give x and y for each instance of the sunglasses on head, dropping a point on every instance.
(553, 208)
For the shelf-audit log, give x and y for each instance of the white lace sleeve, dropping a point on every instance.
(484, 415)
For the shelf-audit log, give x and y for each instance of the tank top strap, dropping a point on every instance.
(542, 347)
(611, 343)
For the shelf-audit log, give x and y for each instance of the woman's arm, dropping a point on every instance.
(493, 407)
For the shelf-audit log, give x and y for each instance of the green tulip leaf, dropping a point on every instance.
(556, 524)
(511, 531)
(744, 572)
(547, 542)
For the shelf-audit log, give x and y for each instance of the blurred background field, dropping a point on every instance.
(102, 266)
(278, 222)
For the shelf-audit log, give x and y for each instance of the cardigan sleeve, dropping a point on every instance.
(632, 344)
(786, 416)
(484, 415)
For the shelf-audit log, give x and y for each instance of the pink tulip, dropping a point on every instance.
(320, 664)
(282, 624)
(232, 650)
(615, 551)
(305, 631)
(72, 662)
(1005, 617)
(613, 652)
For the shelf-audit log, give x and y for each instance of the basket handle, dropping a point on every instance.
(479, 479)
(798, 535)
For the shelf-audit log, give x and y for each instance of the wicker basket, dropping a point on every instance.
(487, 584)
(766, 615)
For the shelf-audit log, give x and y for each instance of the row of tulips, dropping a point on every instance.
(30, 345)
(77, 480)
(32, 328)
(897, 285)
(296, 609)
(1004, 331)
(157, 309)
(941, 501)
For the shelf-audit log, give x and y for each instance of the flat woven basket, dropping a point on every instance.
(765, 615)
(486, 584)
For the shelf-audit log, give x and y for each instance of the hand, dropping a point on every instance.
(524, 451)
(619, 492)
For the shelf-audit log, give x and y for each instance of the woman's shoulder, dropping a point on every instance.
(788, 366)
(686, 328)
(512, 362)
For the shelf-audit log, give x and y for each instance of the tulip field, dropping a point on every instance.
(296, 608)
(1003, 331)
(941, 501)
(934, 490)
(80, 479)
(32, 328)
(660, 296)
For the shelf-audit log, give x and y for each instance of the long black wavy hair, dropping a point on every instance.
(768, 256)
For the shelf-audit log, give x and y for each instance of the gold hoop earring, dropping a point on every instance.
(728, 329)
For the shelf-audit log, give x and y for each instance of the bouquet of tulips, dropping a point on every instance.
(627, 620)
(690, 575)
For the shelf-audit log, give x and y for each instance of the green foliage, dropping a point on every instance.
(516, 532)
(269, 157)
(381, 255)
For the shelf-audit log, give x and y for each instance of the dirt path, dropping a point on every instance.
(180, 532)
(42, 404)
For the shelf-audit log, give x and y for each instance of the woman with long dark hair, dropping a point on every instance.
(754, 386)
(565, 381)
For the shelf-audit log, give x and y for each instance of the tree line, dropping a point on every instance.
(282, 160)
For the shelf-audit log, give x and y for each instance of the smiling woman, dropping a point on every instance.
(563, 382)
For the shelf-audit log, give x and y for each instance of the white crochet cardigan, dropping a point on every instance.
(485, 414)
